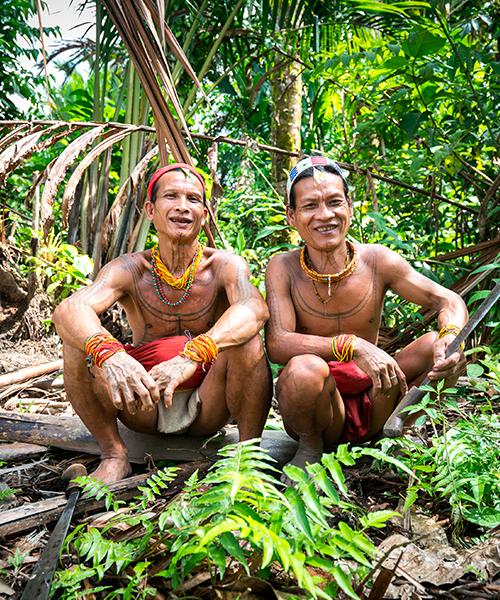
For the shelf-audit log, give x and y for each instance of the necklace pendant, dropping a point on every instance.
(329, 288)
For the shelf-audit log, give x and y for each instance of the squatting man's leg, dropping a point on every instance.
(229, 377)
(313, 410)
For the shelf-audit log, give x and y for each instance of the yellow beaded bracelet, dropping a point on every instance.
(342, 347)
(450, 330)
(201, 349)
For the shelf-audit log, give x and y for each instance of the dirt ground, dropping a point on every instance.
(26, 353)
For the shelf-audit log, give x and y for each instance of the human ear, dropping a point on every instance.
(290, 215)
(149, 209)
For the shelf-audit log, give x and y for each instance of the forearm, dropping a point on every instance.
(239, 324)
(284, 345)
(452, 311)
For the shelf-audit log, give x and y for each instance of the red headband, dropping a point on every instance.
(171, 167)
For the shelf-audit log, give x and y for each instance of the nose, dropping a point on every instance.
(182, 202)
(325, 211)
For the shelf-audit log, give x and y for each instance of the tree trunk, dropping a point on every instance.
(286, 91)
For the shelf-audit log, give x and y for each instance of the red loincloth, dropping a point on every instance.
(352, 383)
(163, 349)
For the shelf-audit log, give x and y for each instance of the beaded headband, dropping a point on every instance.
(306, 163)
(171, 167)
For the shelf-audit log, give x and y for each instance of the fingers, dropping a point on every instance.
(403, 385)
(448, 368)
(130, 386)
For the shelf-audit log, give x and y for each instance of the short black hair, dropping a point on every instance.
(154, 191)
(310, 173)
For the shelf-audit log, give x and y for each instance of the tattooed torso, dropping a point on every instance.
(148, 317)
(355, 305)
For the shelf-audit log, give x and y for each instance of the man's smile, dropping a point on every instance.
(326, 228)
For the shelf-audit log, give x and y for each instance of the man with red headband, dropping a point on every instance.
(197, 357)
(325, 303)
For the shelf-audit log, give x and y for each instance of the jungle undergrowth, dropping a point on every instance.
(237, 521)
(461, 464)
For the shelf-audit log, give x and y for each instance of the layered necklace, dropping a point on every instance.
(185, 282)
(350, 265)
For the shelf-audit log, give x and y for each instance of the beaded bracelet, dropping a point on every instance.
(342, 347)
(101, 346)
(450, 329)
(201, 349)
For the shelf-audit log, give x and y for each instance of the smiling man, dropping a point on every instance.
(197, 357)
(325, 304)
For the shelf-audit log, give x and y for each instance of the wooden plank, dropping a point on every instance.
(36, 514)
(30, 372)
(69, 433)
(18, 450)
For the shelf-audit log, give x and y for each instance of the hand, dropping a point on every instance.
(129, 384)
(382, 368)
(171, 373)
(444, 368)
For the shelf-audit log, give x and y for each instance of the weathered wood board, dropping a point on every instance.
(69, 433)
(19, 450)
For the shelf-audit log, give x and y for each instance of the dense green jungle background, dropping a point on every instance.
(404, 95)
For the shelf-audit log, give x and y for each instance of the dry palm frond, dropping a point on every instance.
(134, 180)
(58, 171)
(134, 22)
(68, 128)
(16, 152)
(110, 138)
(391, 340)
(22, 149)
(16, 134)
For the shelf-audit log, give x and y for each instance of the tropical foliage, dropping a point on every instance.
(405, 95)
(241, 524)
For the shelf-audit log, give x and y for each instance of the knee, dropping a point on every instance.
(426, 344)
(304, 376)
(249, 355)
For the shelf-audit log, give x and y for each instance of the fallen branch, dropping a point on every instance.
(30, 372)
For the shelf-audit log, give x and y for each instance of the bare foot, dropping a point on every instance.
(112, 469)
(305, 455)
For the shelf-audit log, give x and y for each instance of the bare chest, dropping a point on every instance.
(153, 315)
(353, 306)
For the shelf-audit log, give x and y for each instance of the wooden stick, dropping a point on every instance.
(29, 372)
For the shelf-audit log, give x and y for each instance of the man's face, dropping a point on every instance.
(178, 211)
(322, 214)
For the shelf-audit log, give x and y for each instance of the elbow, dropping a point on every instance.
(56, 316)
(275, 352)
(264, 315)
(59, 315)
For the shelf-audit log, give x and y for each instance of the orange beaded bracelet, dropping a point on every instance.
(201, 349)
(100, 347)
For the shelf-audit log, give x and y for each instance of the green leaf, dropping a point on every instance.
(412, 121)
(343, 582)
(377, 518)
(422, 43)
(474, 370)
(421, 421)
(298, 509)
(232, 547)
(378, 454)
